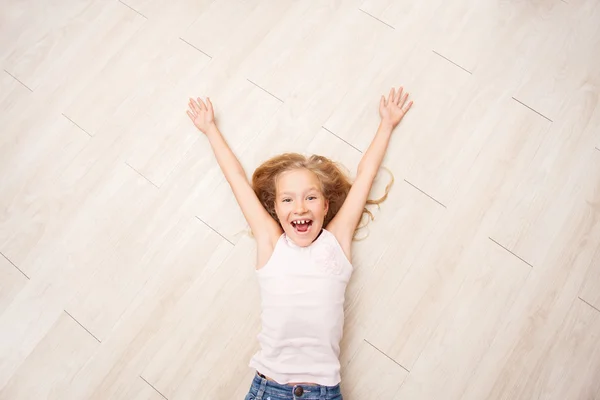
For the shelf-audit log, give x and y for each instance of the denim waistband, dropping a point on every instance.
(262, 388)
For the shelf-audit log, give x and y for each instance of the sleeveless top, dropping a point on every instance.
(302, 294)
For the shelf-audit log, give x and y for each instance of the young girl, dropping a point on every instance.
(303, 213)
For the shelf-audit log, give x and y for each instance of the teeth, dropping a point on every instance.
(300, 221)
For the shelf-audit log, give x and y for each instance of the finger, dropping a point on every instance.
(195, 107)
(390, 97)
(209, 104)
(192, 108)
(382, 102)
(190, 115)
(202, 105)
(407, 107)
(398, 95)
(403, 100)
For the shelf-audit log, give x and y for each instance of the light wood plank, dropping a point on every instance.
(45, 371)
(183, 270)
(420, 151)
(80, 236)
(590, 291)
(139, 389)
(164, 132)
(573, 360)
(142, 251)
(388, 375)
(12, 94)
(550, 187)
(523, 343)
(26, 23)
(435, 276)
(11, 282)
(183, 362)
(29, 200)
(278, 63)
(405, 17)
(173, 15)
(54, 38)
(561, 70)
(381, 264)
(105, 32)
(468, 325)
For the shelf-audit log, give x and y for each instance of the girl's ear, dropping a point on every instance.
(326, 206)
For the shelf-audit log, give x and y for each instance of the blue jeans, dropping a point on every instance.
(263, 389)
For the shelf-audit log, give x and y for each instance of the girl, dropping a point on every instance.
(303, 213)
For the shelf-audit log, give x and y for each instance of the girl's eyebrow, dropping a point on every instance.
(309, 190)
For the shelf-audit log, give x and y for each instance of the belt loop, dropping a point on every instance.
(261, 390)
(323, 393)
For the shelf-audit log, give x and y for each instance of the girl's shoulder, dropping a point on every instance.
(345, 247)
(265, 250)
(335, 245)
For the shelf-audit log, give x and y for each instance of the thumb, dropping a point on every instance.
(210, 107)
(382, 102)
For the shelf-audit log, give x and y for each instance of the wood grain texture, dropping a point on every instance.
(127, 271)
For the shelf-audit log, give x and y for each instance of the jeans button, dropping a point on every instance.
(298, 391)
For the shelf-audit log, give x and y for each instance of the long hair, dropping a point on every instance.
(335, 184)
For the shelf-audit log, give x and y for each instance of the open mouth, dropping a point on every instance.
(302, 226)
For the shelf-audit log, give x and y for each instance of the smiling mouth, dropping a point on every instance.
(302, 226)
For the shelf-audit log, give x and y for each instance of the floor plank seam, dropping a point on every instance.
(78, 323)
(264, 90)
(589, 304)
(597, 149)
(449, 60)
(395, 362)
(157, 391)
(510, 252)
(74, 123)
(425, 193)
(166, 179)
(348, 143)
(537, 112)
(16, 79)
(372, 16)
(140, 174)
(191, 45)
(214, 230)
(133, 9)
(13, 264)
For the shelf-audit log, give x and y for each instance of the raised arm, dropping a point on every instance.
(391, 111)
(264, 228)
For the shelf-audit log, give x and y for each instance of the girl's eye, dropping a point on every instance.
(287, 200)
(312, 197)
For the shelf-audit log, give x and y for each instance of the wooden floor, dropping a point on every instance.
(126, 271)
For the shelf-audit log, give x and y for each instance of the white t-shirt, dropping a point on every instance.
(302, 292)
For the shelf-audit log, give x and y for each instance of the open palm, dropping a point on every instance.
(202, 115)
(393, 109)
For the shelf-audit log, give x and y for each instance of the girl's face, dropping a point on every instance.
(300, 205)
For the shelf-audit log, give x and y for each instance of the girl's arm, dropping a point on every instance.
(263, 226)
(345, 222)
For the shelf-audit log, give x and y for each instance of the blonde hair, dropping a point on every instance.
(335, 184)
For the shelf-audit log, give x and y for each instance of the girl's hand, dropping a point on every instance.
(202, 115)
(393, 109)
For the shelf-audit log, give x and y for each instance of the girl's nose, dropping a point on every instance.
(300, 207)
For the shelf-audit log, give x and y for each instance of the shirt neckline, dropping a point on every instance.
(290, 242)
